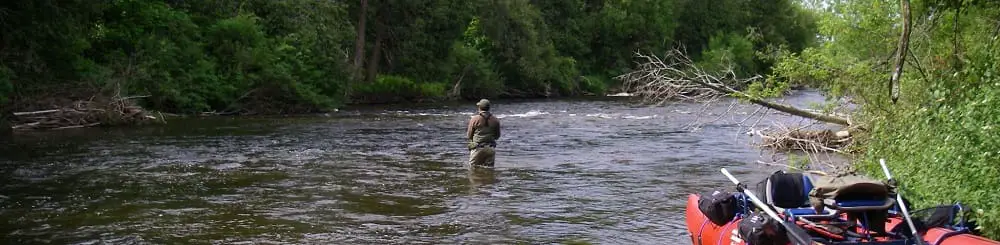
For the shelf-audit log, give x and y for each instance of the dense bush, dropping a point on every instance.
(596, 85)
(392, 89)
(262, 56)
(942, 137)
(186, 58)
(946, 147)
(729, 51)
(5, 86)
(476, 73)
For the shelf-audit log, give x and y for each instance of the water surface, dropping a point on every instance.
(603, 171)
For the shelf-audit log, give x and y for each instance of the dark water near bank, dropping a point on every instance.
(599, 171)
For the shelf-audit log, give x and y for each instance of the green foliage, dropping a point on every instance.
(433, 91)
(291, 56)
(592, 84)
(392, 89)
(524, 54)
(947, 146)
(475, 72)
(767, 89)
(942, 138)
(423, 33)
(945, 153)
(187, 58)
(770, 26)
(729, 51)
(566, 75)
(5, 86)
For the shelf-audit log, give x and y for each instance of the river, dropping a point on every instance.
(600, 171)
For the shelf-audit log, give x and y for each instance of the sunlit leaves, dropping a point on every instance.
(942, 139)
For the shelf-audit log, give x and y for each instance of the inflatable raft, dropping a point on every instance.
(705, 232)
(838, 210)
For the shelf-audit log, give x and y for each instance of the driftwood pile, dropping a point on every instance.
(83, 114)
(807, 140)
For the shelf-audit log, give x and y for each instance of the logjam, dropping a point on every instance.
(84, 114)
(806, 140)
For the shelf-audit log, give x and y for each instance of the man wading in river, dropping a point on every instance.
(483, 132)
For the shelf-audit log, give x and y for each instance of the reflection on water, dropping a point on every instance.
(480, 176)
(599, 171)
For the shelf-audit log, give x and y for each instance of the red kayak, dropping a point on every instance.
(704, 232)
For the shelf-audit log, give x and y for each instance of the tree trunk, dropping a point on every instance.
(802, 113)
(359, 42)
(456, 91)
(373, 62)
(901, 51)
(778, 106)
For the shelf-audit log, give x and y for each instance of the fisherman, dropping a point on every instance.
(483, 132)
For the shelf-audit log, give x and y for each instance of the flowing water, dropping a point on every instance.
(604, 171)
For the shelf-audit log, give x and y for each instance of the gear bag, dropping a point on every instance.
(719, 206)
(760, 229)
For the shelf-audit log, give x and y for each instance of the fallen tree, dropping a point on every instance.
(676, 78)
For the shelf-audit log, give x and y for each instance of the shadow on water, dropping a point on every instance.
(601, 171)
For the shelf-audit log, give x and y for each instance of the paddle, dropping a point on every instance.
(796, 233)
(902, 205)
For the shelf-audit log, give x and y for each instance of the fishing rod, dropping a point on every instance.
(902, 205)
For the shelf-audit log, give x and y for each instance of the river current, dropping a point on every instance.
(600, 171)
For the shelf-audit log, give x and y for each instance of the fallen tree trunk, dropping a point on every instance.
(34, 112)
(777, 106)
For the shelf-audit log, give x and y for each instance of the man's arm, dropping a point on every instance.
(498, 128)
(472, 124)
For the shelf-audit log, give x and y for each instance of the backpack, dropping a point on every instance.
(760, 229)
(719, 206)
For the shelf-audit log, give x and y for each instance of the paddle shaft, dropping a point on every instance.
(801, 237)
(902, 206)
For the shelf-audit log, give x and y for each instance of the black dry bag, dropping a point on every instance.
(719, 206)
(760, 229)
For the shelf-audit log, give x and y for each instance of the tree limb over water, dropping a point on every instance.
(676, 77)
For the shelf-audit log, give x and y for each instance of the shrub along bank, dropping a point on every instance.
(298, 56)
(942, 137)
